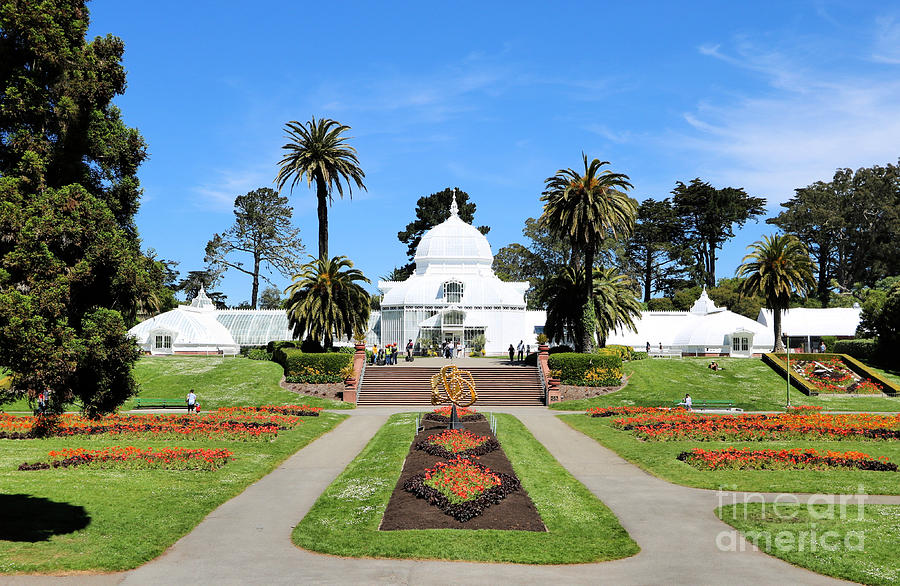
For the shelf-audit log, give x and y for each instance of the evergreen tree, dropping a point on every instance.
(70, 260)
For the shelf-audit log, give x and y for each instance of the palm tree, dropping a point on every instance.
(564, 314)
(615, 303)
(318, 152)
(584, 209)
(325, 300)
(776, 267)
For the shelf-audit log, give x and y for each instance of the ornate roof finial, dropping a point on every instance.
(454, 207)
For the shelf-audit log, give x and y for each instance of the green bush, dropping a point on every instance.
(660, 304)
(588, 370)
(310, 367)
(829, 343)
(639, 356)
(345, 349)
(562, 348)
(862, 349)
(531, 359)
(245, 350)
(258, 354)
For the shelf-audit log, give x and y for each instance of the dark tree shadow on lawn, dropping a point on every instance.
(27, 518)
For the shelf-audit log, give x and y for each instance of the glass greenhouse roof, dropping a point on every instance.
(255, 327)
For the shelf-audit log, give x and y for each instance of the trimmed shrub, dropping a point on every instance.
(587, 370)
(623, 352)
(311, 346)
(245, 350)
(560, 349)
(258, 354)
(345, 349)
(304, 367)
(639, 356)
(277, 344)
(531, 359)
(829, 343)
(861, 349)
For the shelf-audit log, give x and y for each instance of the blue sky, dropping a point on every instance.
(494, 98)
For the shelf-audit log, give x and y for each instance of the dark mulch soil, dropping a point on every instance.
(406, 511)
(444, 419)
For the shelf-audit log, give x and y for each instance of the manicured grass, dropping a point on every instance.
(218, 382)
(345, 519)
(750, 384)
(659, 459)
(836, 541)
(131, 516)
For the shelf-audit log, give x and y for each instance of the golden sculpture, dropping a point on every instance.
(455, 383)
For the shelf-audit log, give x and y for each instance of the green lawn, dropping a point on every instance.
(750, 384)
(836, 541)
(84, 519)
(217, 382)
(344, 520)
(659, 459)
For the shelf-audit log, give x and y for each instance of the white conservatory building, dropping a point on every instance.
(454, 295)
(705, 330)
(200, 328)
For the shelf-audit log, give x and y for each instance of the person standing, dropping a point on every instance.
(521, 349)
(648, 347)
(191, 400)
(395, 353)
(409, 350)
(512, 353)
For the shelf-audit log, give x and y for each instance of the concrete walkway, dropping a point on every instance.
(247, 539)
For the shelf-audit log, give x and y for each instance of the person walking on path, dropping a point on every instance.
(512, 353)
(521, 349)
(191, 400)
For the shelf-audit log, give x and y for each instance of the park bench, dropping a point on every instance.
(147, 403)
(708, 404)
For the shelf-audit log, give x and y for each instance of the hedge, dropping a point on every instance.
(776, 361)
(317, 367)
(623, 352)
(588, 370)
(861, 348)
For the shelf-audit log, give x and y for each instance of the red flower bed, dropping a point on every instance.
(218, 425)
(442, 414)
(298, 410)
(674, 426)
(131, 457)
(796, 459)
(461, 488)
(457, 443)
(612, 411)
(831, 375)
(804, 408)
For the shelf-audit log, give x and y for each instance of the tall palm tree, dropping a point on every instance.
(584, 208)
(615, 302)
(559, 296)
(318, 151)
(325, 300)
(776, 267)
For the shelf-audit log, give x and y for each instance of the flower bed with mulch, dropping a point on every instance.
(435, 492)
(457, 443)
(442, 414)
(135, 458)
(682, 425)
(831, 375)
(796, 459)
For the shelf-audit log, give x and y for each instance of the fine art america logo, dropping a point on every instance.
(806, 512)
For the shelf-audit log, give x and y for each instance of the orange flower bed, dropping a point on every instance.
(796, 459)
(131, 457)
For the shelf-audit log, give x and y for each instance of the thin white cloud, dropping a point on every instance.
(218, 192)
(887, 41)
(799, 130)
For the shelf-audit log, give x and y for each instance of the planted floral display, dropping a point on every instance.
(804, 408)
(135, 458)
(612, 411)
(297, 410)
(831, 375)
(796, 459)
(461, 488)
(683, 425)
(465, 414)
(237, 425)
(457, 442)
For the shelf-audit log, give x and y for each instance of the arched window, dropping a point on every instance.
(453, 292)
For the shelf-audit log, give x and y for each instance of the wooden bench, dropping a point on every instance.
(708, 404)
(147, 403)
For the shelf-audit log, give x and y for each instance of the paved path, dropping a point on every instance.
(247, 539)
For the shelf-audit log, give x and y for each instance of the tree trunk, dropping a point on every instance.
(322, 211)
(711, 270)
(648, 274)
(776, 321)
(587, 313)
(255, 291)
(822, 292)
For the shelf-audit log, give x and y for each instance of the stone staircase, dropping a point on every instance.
(411, 385)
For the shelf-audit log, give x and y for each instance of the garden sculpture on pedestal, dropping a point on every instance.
(455, 383)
